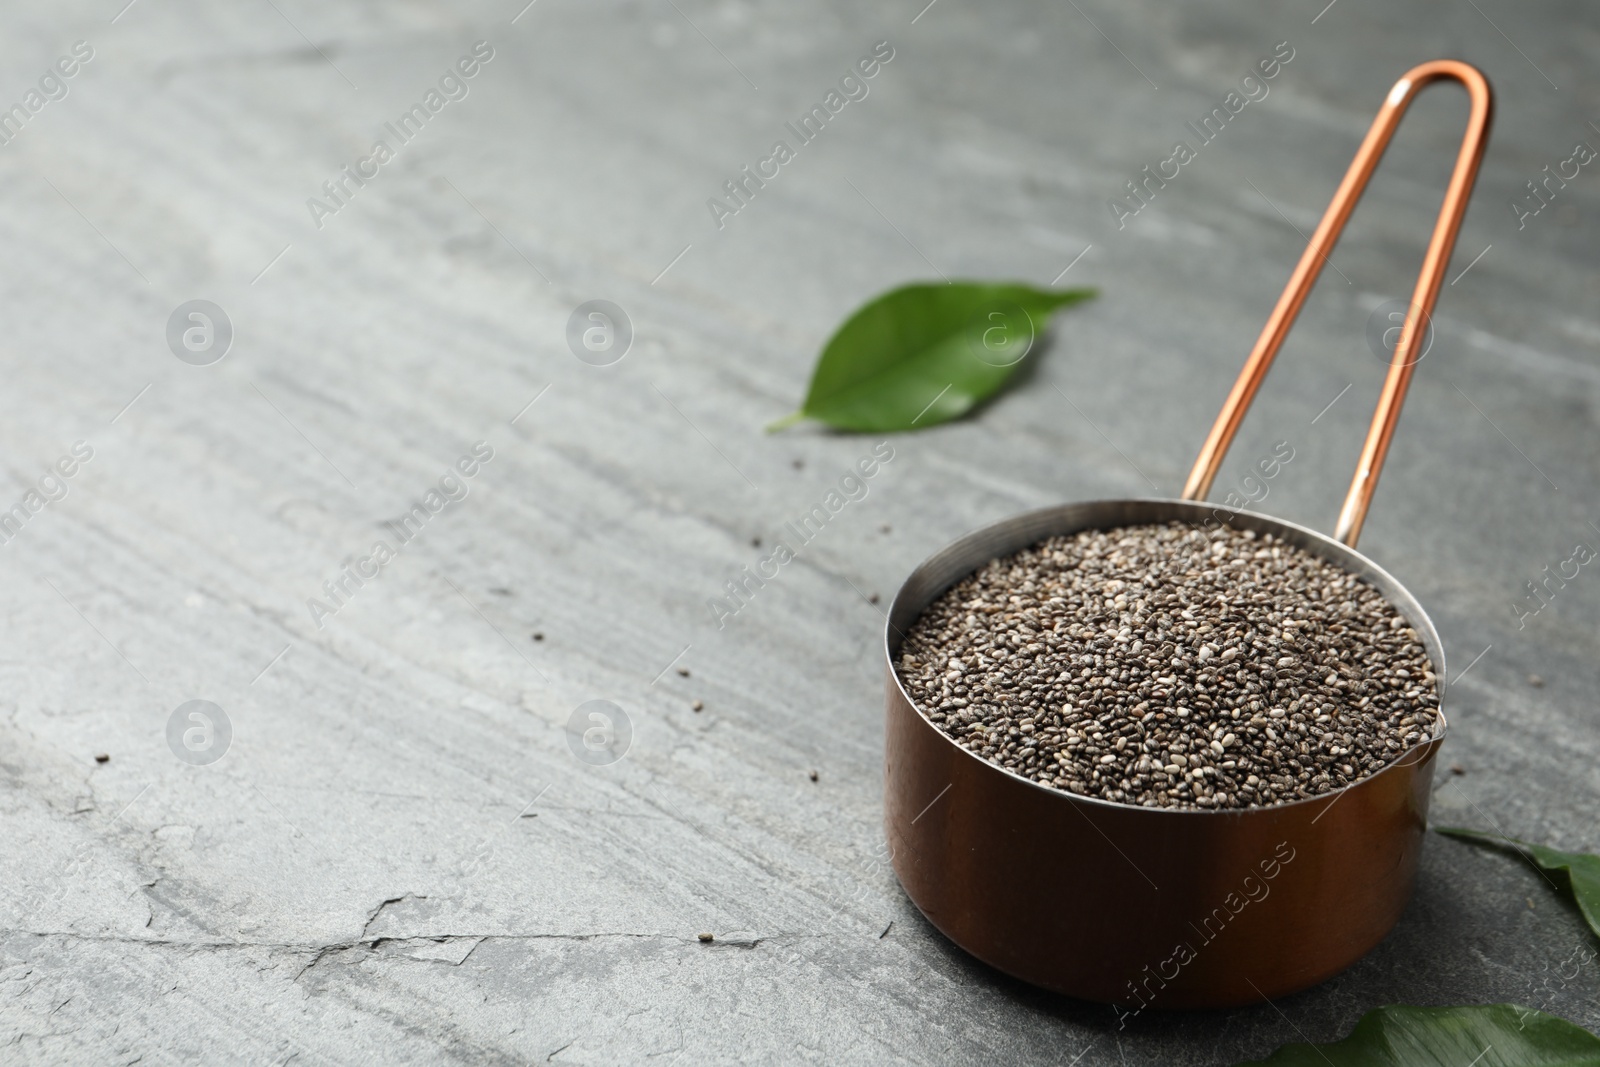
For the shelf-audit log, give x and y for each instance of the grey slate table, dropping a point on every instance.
(399, 858)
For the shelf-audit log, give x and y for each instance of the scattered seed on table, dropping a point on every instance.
(698, 705)
(1166, 666)
(537, 636)
(755, 542)
(813, 776)
(873, 599)
(102, 758)
(1456, 768)
(706, 937)
(1536, 681)
(684, 671)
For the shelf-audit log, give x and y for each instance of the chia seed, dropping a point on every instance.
(1165, 666)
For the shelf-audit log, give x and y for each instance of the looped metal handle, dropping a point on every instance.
(1418, 313)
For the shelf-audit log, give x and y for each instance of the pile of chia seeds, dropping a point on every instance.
(1173, 667)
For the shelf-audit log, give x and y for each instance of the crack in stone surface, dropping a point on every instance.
(330, 946)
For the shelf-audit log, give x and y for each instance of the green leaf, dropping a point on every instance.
(1582, 870)
(927, 353)
(1485, 1035)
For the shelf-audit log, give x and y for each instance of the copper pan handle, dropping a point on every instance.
(1356, 502)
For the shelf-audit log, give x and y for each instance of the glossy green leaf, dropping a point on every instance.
(1582, 870)
(924, 354)
(1486, 1035)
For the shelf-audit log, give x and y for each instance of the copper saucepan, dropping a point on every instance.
(1162, 908)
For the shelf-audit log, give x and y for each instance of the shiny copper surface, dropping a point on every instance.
(1082, 896)
(1148, 908)
(1423, 298)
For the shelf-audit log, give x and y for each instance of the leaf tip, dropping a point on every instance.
(786, 422)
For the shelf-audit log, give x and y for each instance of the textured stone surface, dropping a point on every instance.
(399, 859)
